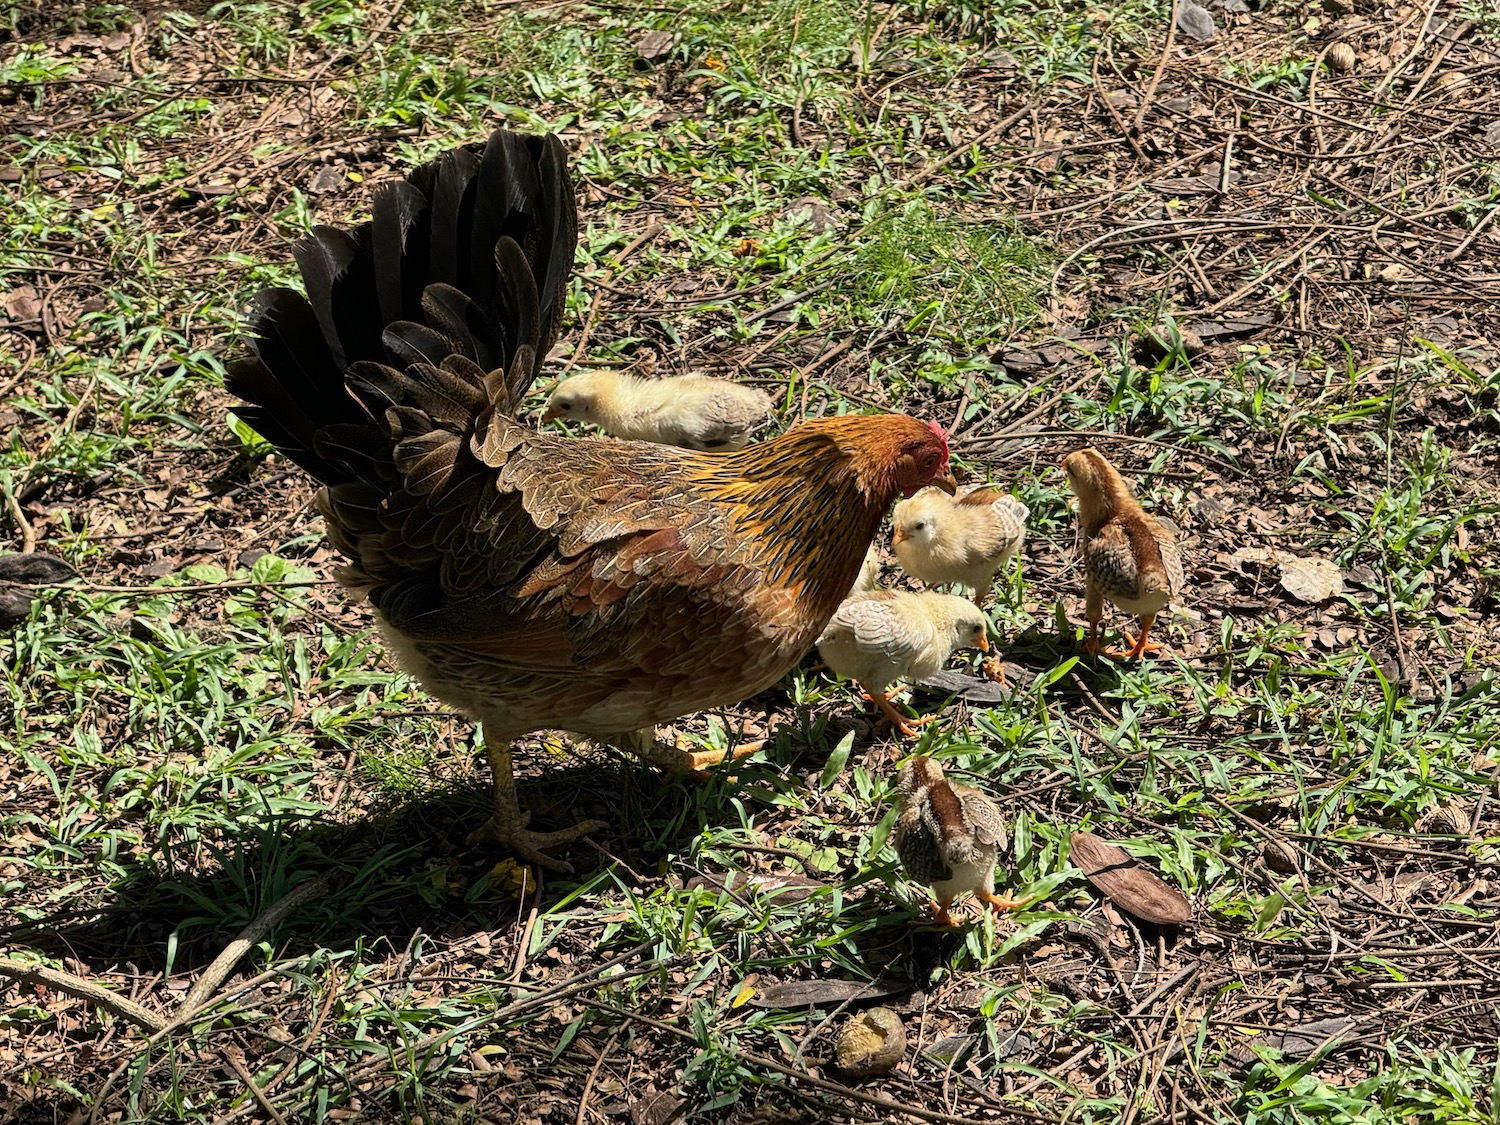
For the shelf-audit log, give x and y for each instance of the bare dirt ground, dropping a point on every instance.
(1329, 255)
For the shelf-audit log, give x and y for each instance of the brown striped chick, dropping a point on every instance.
(688, 411)
(1128, 556)
(882, 636)
(966, 540)
(949, 837)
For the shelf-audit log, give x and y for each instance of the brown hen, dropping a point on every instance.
(529, 580)
(1128, 556)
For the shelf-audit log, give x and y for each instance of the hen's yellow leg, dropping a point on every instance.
(507, 825)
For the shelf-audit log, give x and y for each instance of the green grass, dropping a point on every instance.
(179, 758)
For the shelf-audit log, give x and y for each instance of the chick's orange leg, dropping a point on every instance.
(906, 726)
(507, 826)
(940, 913)
(1136, 647)
(999, 903)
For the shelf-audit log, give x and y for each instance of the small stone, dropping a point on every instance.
(1194, 22)
(1279, 856)
(870, 1043)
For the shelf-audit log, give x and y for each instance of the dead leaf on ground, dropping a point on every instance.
(1311, 580)
(1127, 884)
(823, 993)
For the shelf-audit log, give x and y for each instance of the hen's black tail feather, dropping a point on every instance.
(468, 257)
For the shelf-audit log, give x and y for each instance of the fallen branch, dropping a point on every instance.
(96, 994)
(224, 963)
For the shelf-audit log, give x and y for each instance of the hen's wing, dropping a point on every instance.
(551, 552)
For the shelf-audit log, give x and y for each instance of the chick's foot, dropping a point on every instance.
(999, 903)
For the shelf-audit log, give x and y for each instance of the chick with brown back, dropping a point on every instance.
(949, 837)
(534, 581)
(1128, 556)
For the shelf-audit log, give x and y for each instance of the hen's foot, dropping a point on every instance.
(511, 832)
(677, 759)
(999, 903)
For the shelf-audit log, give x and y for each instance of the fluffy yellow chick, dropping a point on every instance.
(690, 411)
(966, 540)
(882, 636)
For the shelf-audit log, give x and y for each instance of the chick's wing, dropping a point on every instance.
(879, 627)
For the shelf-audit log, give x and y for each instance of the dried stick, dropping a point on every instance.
(95, 994)
(220, 967)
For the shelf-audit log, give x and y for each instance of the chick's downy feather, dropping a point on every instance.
(881, 636)
(941, 539)
(689, 411)
(948, 836)
(1129, 557)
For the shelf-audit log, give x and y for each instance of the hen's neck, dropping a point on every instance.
(807, 510)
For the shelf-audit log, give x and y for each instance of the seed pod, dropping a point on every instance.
(1340, 57)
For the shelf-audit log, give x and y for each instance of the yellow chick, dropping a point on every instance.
(882, 636)
(869, 572)
(966, 540)
(690, 411)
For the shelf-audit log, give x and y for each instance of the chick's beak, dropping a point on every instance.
(984, 644)
(549, 414)
(947, 483)
(898, 535)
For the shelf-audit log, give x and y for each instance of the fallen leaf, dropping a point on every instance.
(1127, 884)
(1311, 580)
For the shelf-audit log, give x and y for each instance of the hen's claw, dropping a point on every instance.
(511, 832)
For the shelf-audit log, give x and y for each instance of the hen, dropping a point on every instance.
(967, 540)
(879, 637)
(690, 411)
(1128, 556)
(534, 581)
(948, 837)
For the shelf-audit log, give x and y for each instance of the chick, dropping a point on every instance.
(941, 539)
(948, 836)
(690, 411)
(869, 572)
(1128, 557)
(879, 637)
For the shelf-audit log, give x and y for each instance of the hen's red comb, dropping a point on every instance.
(942, 434)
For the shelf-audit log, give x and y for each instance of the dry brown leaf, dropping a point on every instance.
(1128, 885)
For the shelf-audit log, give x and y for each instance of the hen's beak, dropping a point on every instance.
(947, 484)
